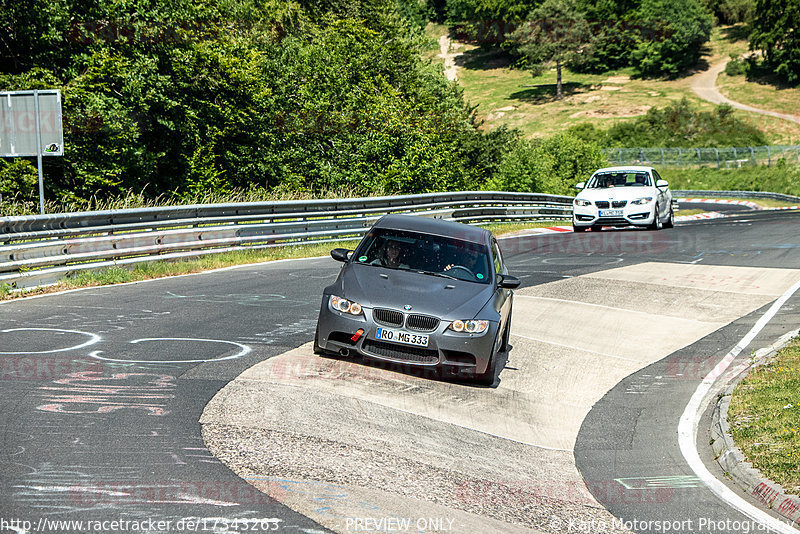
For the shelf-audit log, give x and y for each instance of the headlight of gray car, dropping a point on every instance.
(344, 305)
(581, 202)
(644, 200)
(469, 326)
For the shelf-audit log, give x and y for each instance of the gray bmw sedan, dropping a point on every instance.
(420, 292)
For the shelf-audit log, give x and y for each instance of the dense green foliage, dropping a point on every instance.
(192, 96)
(174, 99)
(731, 11)
(655, 37)
(776, 31)
(679, 29)
(485, 21)
(553, 165)
(677, 125)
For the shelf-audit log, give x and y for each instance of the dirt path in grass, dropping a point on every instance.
(450, 71)
(704, 84)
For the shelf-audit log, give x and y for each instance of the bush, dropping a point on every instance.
(552, 165)
(677, 125)
(735, 67)
(671, 37)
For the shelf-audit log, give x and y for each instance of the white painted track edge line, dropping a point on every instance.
(690, 420)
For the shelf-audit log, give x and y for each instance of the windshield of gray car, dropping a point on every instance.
(619, 179)
(424, 253)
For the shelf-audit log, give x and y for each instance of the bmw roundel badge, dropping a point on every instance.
(407, 307)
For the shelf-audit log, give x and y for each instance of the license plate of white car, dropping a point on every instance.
(398, 336)
(610, 213)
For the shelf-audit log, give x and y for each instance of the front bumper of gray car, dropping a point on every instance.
(456, 353)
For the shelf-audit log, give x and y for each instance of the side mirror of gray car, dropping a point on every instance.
(662, 183)
(506, 281)
(340, 254)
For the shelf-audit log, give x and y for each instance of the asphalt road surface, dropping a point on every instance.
(103, 389)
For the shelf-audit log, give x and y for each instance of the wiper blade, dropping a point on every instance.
(434, 273)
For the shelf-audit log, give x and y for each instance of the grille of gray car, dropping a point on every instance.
(387, 317)
(401, 352)
(602, 204)
(422, 323)
(619, 203)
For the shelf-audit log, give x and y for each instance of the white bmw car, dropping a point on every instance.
(623, 196)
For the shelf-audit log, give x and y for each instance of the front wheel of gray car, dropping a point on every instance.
(317, 349)
(506, 334)
(487, 377)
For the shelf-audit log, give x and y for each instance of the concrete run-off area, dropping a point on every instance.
(355, 446)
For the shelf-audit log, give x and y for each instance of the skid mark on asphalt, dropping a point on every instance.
(369, 429)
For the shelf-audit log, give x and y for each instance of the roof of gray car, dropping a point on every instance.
(427, 225)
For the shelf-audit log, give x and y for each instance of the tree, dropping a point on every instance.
(776, 31)
(556, 32)
(671, 35)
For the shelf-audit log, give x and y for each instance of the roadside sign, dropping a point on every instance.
(18, 133)
(30, 126)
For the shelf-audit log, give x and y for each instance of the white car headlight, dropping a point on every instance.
(643, 200)
(581, 202)
(469, 326)
(344, 305)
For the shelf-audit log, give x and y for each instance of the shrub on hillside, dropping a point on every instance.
(552, 165)
(677, 125)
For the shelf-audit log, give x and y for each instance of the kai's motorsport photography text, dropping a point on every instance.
(665, 526)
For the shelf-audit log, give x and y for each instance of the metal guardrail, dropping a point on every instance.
(736, 194)
(727, 157)
(41, 249)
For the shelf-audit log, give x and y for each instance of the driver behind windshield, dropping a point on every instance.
(471, 259)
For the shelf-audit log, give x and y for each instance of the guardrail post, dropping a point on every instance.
(620, 156)
(716, 152)
(699, 159)
(769, 157)
(752, 155)
(662, 157)
(680, 156)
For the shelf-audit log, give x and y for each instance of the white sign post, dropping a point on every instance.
(30, 125)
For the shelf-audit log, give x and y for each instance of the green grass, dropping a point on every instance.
(512, 97)
(765, 417)
(160, 269)
(779, 178)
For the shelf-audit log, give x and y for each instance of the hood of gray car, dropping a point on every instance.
(426, 294)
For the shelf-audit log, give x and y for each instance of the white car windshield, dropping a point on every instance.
(619, 179)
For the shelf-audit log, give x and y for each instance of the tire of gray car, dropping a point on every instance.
(317, 349)
(487, 377)
(506, 333)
